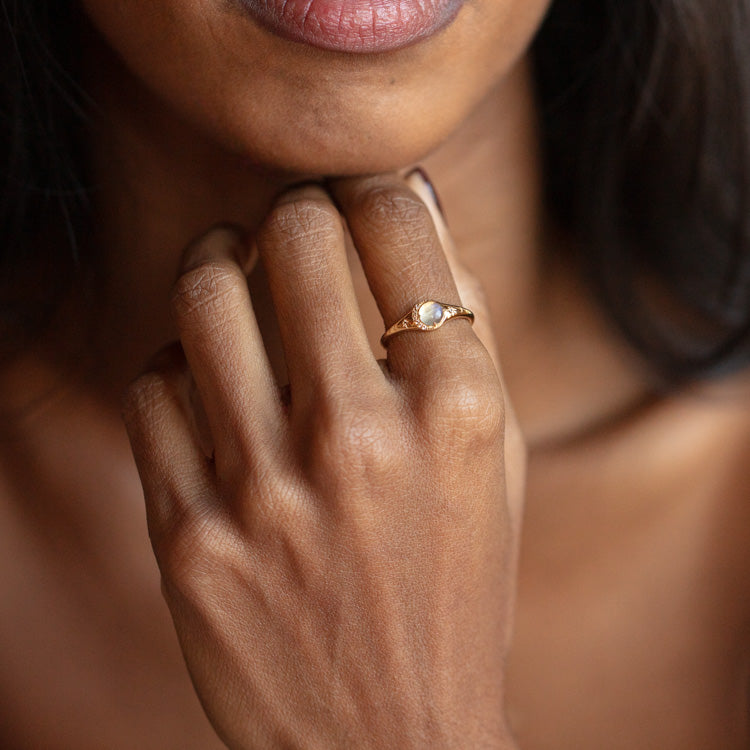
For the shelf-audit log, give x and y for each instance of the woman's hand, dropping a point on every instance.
(341, 572)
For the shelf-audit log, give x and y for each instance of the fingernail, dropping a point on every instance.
(420, 174)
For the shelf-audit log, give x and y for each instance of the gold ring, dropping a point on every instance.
(426, 316)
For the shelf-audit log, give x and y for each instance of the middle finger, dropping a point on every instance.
(303, 250)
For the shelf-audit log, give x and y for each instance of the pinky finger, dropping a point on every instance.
(177, 478)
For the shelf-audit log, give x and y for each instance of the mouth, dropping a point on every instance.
(354, 26)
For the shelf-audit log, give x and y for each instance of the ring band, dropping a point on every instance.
(428, 315)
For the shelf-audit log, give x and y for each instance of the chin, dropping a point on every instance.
(199, 66)
(342, 157)
(341, 141)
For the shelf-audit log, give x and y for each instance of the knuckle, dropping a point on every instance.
(304, 221)
(186, 546)
(359, 437)
(467, 410)
(204, 288)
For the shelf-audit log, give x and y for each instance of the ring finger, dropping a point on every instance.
(405, 263)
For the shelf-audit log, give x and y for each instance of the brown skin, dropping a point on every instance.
(322, 112)
(289, 535)
(631, 626)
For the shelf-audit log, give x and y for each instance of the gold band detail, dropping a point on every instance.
(427, 315)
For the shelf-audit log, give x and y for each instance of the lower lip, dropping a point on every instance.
(363, 26)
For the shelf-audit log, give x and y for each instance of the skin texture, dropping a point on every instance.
(290, 534)
(323, 112)
(284, 533)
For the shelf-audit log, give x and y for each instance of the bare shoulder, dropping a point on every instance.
(730, 531)
(721, 430)
(689, 456)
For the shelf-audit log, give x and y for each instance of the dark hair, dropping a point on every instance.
(43, 201)
(645, 109)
